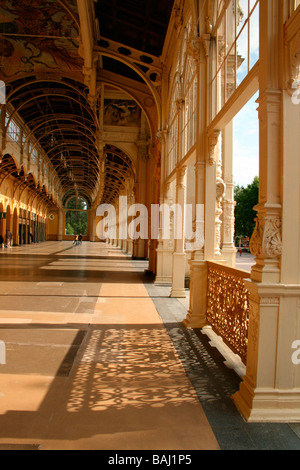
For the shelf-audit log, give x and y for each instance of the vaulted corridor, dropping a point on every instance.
(97, 358)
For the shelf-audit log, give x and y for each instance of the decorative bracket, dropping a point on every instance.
(212, 142)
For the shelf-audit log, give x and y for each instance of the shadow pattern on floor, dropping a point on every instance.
(215, 384)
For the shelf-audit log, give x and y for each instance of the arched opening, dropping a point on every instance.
(76, 221)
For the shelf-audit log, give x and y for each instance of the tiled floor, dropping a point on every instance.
(97, 358)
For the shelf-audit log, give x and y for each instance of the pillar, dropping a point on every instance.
(60, 225)
(178, 273)
(92, 219)
(228, 247)
(139, 245)
(165, 246)
(270, 390)
(196, 315)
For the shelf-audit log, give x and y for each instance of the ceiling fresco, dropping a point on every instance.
(45, 66)
(38, 37)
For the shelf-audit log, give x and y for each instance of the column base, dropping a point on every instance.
(194, 321)
(196, 316)
(178, 276)
(164, 266)
(179, 293)
(163, 281)
(229, 254)
(267, 405)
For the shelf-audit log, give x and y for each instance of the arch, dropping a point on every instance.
(7, 156)
(8, 166)
(47, 121)
(43, 80)
(177, 71)
(141, 105)
(53, 131)
(43, 96)
(119, 168)
(72, 193)
(176, 91)
(135, 68)
(73, 196)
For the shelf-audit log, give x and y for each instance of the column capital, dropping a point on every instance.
(266, 240)
(180, 174)
(213, 139)
(194, 48)
(143, 148)
(179, 103)
(162, 135)
(205, 39)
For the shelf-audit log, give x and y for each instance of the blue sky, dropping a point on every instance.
(246, 144)
(246, 129)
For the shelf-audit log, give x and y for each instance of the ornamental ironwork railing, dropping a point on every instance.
(228, 306)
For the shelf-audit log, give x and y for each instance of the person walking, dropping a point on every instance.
(9, 239)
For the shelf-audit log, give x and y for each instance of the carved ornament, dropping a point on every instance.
(194, 47)
(206, 38)
(266, 239)
(212, 142)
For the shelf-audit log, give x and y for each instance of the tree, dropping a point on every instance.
(76, 222)
(69, 229)
(246, 199)
(76, 216)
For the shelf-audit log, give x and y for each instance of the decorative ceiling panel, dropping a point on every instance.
(38, 37)
(135, 23)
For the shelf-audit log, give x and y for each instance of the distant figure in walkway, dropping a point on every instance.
(241, 251)
(9, 239)
(1, 242)
(80, 239)
(75, 242)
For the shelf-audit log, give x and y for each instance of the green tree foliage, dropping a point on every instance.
(76, 222)
(246, 199)
(76, 217)
(69, 229)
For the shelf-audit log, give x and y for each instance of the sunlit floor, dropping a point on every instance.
(97, 358)
(89, 363)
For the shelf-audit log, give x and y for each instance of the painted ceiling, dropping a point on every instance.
(42, 66)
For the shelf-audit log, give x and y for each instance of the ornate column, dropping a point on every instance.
(129, 244)
(228, 247)
(215, 188)
(154, 185)
(165, 247)
(117, 207)
(143, 148)
(196, 316)
(270, 391)
(2, 129)
(92, 215)
(60, 225)
(178, 274)
(220, 192)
